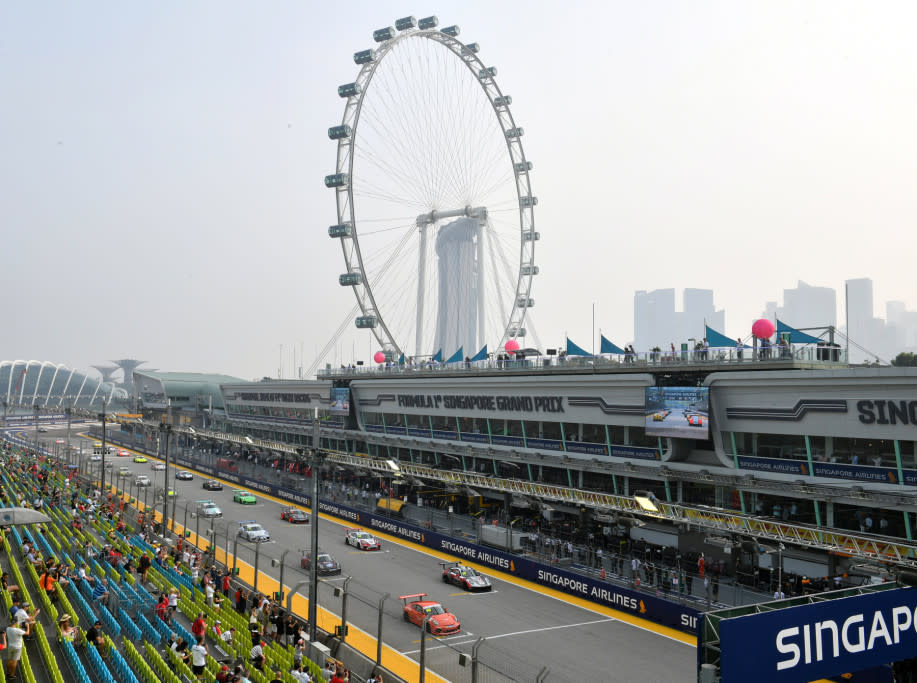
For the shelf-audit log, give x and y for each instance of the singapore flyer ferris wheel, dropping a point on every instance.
(435, 213)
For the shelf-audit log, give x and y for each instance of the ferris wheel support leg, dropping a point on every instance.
(480, 285)
(421, 286)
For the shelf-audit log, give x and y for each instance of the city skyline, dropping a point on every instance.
(163, 168)
(658, 322)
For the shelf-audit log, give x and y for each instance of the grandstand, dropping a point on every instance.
(92, 553)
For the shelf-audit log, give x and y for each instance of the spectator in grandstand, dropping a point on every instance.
(162, 609)
(67, 630)
(275, 622)
(241, 600)
(180, 647)
(47, 581)
(24, 616)
(256, 655)
(227, 583)
(227, 636)
(33, 556)
(14, 641)
(208, 593)
(278, 677)
(290, 629)
(94, 637)
(300, 675)
(144, 566)
(100, 592)
(299, 651)
(6, 585)
(174, 595)
(199, 626)
(198, 657)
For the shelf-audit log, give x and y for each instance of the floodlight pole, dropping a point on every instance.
(423, 648)
(165, 431)
(102, 475)
(313, 565)
(68, 410)
(36, 407)
(379, 629)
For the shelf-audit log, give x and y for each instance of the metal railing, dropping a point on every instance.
(707, 358)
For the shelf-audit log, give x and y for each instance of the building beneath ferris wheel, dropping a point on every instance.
(799, 445)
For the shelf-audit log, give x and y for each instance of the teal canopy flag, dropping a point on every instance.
(401, 359)
(457, 356)
(608, 347)
(574, 350)
(480, 355)
(717, 340)
(438, 356)
(796, 337)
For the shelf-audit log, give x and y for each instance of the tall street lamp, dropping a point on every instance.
(165, 432)
(102, 417)
(36, 428)
(317, 458)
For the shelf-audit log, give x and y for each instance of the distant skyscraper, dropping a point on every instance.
(903, 324)
(806, 306)
(698, 309)
(863, 328)
(657, 323)
(654, 317)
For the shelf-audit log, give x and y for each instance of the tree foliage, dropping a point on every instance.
(905, 360)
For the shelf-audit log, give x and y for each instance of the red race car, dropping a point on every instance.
(696, 420)
(294, 516)
(440, 622)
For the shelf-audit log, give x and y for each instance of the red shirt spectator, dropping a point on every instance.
(162, 609)
(199, 626)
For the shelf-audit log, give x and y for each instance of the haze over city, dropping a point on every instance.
(163, 166)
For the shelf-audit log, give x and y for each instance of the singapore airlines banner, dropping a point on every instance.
(814, 641)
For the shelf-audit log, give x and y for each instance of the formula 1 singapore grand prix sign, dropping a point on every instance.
(817, 640)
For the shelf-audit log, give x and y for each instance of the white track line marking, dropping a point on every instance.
(518, 633)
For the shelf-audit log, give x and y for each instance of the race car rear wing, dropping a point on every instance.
(414, 597)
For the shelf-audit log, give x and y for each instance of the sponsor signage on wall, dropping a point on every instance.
(881, 475)
(828, 638)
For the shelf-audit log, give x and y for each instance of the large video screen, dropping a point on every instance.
(678, 412)
(340, 401)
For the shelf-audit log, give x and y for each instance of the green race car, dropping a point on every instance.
(244, 497)
(139, 458)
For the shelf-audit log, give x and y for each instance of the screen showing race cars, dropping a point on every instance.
(340, 401)
(678, 412)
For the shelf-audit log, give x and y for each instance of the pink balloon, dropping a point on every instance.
(379, 357)
(763, 328)
(512, 346)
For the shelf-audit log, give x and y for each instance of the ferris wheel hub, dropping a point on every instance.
(479, 212)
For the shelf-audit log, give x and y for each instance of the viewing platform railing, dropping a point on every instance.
(712, 358)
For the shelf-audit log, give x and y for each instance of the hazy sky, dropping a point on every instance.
(162, 164)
